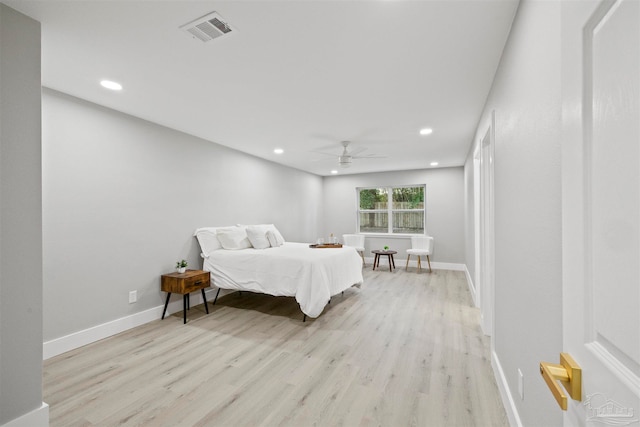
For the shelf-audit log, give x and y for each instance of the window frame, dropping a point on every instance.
(390, 211)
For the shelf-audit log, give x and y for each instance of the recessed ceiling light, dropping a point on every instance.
(434, 163)
(278, 151)
(334, 172)
(111, 85)
(426, 131)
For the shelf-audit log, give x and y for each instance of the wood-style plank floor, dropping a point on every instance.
(405, 349)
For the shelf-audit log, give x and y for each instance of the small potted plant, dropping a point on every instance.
(181, 266)
(386, 248)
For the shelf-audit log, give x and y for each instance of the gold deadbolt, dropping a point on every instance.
(569, 373)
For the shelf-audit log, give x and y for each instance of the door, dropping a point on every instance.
(476, 227)
(601, 207)
(486, 230)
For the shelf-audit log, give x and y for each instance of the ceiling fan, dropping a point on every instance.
(346, 158)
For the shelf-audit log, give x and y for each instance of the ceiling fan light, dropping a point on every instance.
(344, 161)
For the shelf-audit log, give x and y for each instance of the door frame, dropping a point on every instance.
(485, 247)
(477, 276)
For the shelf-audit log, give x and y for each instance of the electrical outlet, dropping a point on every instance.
(521, 384)
(133, 297)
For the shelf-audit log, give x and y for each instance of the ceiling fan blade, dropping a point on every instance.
(332, 147)
(358, 151)
(324, 153)
(370, 156)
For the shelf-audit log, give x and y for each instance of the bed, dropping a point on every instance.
(257, 259)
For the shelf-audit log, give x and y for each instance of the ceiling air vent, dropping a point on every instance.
(208, 27)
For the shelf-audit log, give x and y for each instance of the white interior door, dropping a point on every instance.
(601, 207)
(486, 232)
(476, 226)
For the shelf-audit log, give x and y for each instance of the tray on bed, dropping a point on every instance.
(326, 245)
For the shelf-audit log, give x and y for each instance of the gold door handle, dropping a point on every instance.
(569, 373)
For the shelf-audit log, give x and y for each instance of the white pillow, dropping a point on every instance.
(271, 237)
(278, 235)
(235, 238)
(208, 239)
(271, 227)
(258, 236)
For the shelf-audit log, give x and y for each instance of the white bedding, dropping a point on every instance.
(293, 269)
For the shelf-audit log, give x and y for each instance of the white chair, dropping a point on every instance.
(356, 241)
(420, 246)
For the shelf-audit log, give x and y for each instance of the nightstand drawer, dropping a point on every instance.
(196, 283)
(184, 283)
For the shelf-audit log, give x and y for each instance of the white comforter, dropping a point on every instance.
(294, 269)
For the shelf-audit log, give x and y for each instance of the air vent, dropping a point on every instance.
(208, 27)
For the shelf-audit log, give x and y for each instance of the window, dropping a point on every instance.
(404, 214)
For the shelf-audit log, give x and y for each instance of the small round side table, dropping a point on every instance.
(389, 254)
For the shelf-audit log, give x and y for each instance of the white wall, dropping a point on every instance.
(526, 96)
(20, 219)
(122, 197)
(444, 200)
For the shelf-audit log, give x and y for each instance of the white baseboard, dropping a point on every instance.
(445, 266)
(78, 339)
(434, 265)
(472, 287)
(36, 418)
(505, 392)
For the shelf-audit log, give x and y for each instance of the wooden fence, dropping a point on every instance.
(401, 221)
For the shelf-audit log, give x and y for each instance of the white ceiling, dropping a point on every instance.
(299, 75)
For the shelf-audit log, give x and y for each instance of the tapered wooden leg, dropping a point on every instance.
(419, 264)
(406, 267)
(166, 304)
(216, 298)
(204, 298)
(185, 297)
(364, 264)
(429, 261)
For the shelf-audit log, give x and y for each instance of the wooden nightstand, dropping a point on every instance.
(184, 283)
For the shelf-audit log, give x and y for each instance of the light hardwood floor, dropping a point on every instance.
(403, 350)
